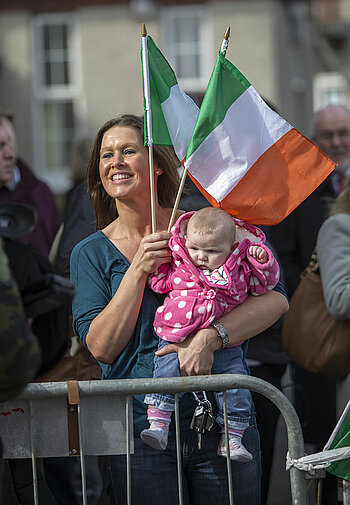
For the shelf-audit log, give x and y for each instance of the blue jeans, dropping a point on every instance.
(204, 473)
(63, 476)
(226, 361)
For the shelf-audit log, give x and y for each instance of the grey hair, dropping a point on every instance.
(317, 113)
(7, 116)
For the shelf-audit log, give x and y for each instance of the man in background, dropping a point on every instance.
(331, 132)
(19, 184)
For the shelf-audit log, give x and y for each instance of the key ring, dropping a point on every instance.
(196, 397)
(205, 403)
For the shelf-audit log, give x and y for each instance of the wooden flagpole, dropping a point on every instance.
(183, 178)
(177, 199)
(147, 96)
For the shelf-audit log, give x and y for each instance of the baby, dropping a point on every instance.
(217, 261)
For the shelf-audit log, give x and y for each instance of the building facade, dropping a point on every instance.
(66, 67)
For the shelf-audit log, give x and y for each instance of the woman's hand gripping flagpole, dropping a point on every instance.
(183, 178)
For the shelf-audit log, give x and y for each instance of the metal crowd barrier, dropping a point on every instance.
(95, 418)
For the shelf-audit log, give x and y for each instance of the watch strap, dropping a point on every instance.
(220, 328)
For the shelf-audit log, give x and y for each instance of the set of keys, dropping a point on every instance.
(202, 419)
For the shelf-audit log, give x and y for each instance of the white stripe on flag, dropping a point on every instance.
(180, 113)
(248, 130)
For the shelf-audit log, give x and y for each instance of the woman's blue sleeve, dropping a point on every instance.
(92, 292)
(280, 288)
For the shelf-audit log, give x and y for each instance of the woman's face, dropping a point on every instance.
(123, 166)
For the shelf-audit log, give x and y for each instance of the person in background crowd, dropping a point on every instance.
(19, 184)
(20, 355)
(30, 344)
(19, 349)
(331, 132)
(294, 240)
(109, 269)
(78, 216)
(333, 244)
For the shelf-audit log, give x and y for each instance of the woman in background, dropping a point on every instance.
(333, 246)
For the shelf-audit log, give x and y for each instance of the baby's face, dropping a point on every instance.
(207, 251)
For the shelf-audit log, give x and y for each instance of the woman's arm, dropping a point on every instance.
(111, 329)
(333, 244)
(254, 315)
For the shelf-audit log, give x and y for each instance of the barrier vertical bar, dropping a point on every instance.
(346, 492)
(34, 470)
(178, 449)
(228, 460)
(82, 459)
(128, 459)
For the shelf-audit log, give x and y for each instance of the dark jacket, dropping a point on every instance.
(34, 192)
(79, 223)
(295, 237)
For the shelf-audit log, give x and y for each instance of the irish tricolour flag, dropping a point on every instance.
(173, 113)
(340, 438)
(247, 159)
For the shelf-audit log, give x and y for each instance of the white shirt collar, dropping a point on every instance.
(16, 178)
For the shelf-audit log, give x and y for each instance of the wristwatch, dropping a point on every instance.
(220, 328)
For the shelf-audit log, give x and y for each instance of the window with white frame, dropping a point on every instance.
(187, 45)
(329, 88)
(57, 94)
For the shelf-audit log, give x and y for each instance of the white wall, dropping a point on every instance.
(252, 41)
(16, 75)
(111, 41)
(111, 67)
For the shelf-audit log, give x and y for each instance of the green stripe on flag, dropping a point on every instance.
(342, 439)
(162, 74)
(225, 86)
(162, 78)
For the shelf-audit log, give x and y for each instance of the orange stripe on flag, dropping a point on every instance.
(283, 177)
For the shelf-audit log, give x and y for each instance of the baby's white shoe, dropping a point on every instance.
(237, 450)
(156, 436)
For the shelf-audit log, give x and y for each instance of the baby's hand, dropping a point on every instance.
(258, 253)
